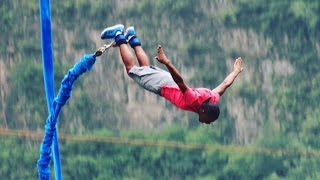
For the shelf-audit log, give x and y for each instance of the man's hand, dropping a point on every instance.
(238, 66)
(161, 56)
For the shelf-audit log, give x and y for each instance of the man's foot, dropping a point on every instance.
(112, 32)
(131, 37)
(130, 33)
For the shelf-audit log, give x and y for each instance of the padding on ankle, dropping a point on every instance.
(134, 41)
(120, 39)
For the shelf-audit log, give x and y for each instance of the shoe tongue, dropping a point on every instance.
(130, 37)
(118, 33)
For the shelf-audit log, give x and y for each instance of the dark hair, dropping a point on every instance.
(212, 111)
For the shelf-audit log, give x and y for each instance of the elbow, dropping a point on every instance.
(226, 84)
(178, 80)
(181, 81)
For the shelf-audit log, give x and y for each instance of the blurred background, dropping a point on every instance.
(269, 124)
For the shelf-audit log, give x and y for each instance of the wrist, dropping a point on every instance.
(237, 71)
(167, 62)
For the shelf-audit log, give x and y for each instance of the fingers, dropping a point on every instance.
(160, 49)
(238, 64)
(161, 57)
(238, 61)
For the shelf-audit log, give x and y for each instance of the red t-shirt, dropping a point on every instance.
(192, 99)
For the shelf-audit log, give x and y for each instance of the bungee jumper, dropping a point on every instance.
(169, 85)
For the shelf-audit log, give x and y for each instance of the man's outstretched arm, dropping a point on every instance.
(162, 58)
(237, 69)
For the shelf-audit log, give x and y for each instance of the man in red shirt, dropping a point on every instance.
(169, 85)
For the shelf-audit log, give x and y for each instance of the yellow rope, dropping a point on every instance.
(163, 144)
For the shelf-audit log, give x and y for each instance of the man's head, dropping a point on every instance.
(208, 112)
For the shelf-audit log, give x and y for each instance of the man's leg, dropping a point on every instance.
(127, 57)
(142, 57)
(135, 43)
(116, 32)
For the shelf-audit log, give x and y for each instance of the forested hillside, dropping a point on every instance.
(273, 105)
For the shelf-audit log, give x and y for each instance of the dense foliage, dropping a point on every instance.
(274, 105)
(90, 159)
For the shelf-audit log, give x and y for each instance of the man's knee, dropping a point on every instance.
(128, 68)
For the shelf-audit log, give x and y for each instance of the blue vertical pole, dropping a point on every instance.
(48, 73)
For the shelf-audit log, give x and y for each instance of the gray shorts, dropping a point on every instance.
(151, 78)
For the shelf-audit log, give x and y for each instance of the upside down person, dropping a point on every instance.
(169, 85)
